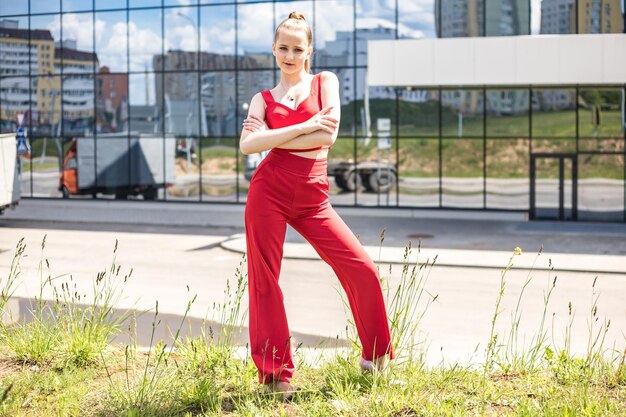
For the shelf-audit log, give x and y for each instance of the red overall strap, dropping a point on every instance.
(267, 96)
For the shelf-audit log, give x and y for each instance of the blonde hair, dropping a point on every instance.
(296, 21)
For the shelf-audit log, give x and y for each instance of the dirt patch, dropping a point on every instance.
(10, 367)
(217, 165)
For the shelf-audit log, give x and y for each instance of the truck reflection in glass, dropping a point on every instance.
(119, 164)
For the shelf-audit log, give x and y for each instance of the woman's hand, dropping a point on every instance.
(254, 124)
(321, 121)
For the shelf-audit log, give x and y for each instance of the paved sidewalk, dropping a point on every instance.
(464, 257)
(457, 238)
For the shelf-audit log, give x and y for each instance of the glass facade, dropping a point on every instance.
(173, 79)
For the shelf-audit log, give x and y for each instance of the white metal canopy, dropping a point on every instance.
(598, 59)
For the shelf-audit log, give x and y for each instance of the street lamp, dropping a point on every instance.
(195, 35)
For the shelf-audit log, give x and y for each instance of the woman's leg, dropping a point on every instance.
(265, 223)
(337, 245)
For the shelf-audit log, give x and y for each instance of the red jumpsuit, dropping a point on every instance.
(290, 189)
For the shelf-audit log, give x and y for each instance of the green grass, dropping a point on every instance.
(203, 375)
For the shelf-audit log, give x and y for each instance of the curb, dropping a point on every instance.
(462, 258)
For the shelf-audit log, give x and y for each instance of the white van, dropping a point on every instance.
(10, 172)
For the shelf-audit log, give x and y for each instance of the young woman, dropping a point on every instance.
(297, 120)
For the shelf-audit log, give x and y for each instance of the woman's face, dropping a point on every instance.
(291, 50)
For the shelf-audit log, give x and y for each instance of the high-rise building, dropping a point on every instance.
(76, 73)
(23, 53)
(584, 16)
(111, 101)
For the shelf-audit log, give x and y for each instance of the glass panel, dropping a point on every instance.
(43, 168)
(507, 113)
(507, 17)
(556, 17)
(598, 16)
(10, 7)
(110, 4)
(508, 174)
(15, 53)
(78, 104)
(462, 113)
(353, 116)
(419, 112)
(417, 19)
(601, 145)
(217, 39)
(375, 21)
(382, 111)
(111, 102)
(112, 40)
(145, 114)
(341, 171)
(462, 173)
(45, 6)
(566, 145)
(249, 83)
(334, 44)
(146, 45)
(376, 175)
(419, 172)
(180, 2)
(46, 106)
(460, 18)
(255, 33)
(144, 3)
(45, 30)
(181, 38)
(77, 51)
(218, 104)
(186, 185)
(17, 96)
(219, 169)
(76, 5)
(601, 187)
(181, 105)
(553, 112)
(547, 188)
(601, 112)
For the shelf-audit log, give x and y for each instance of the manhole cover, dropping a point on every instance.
(421, 236)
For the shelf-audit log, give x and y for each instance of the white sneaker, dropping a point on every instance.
(367, 366)
(377, 365)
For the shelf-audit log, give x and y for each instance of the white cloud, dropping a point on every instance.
(410, 8)
(375, 8)
(218, 38)
(145, 44)
(255, 28)
(333, 17)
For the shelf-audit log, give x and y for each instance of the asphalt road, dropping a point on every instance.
(172, 262)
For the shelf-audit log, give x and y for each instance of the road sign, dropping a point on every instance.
(22, 143)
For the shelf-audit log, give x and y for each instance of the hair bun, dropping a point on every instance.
(296, 15)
